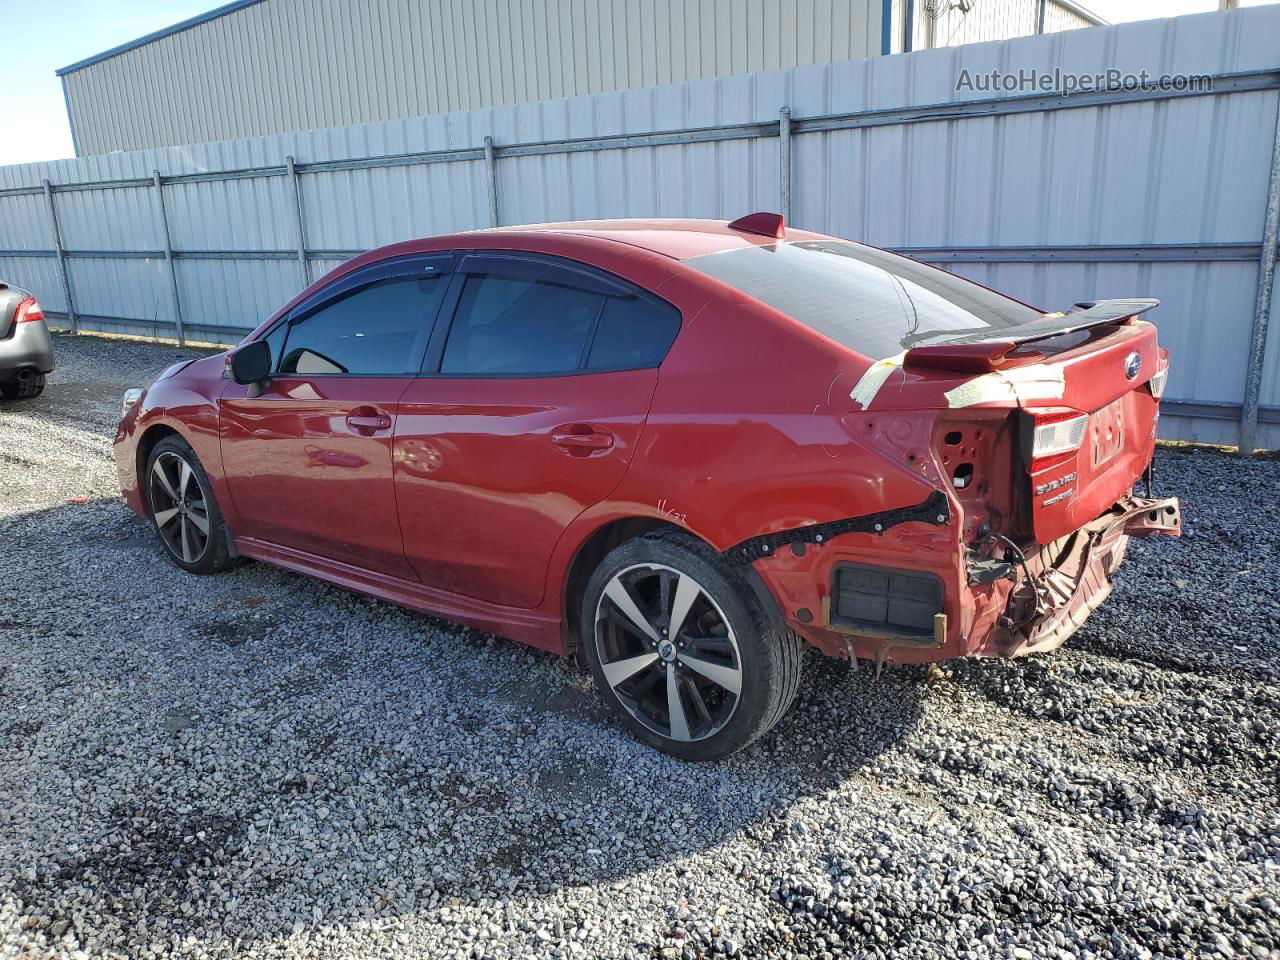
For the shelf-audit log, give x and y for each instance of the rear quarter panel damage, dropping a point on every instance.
(746, 435)
(749, 436)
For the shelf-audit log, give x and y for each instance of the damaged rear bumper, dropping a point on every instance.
(870, 597)
(1072, 576)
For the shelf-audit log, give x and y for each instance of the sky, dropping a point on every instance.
(31, 100)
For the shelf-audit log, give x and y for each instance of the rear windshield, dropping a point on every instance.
(871, 301)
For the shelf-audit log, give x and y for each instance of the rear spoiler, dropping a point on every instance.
(983, 351)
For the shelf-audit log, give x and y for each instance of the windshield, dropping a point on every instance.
(874, 302)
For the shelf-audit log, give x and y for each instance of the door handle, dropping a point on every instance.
(367, 424)
(583, 444)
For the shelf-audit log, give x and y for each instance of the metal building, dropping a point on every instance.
(260, 67)
(950, 23)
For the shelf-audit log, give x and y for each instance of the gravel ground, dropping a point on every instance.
(257, 764)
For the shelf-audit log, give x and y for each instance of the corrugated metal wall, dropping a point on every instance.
(284, 65)
(1159, 197)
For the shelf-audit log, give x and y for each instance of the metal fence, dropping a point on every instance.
(1132, 190)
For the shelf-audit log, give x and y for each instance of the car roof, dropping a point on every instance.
(678, 239)
(675, 238)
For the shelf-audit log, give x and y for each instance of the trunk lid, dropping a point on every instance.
(1084, 380)
(1107, 386)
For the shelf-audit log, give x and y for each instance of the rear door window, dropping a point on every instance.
(529, 315)
(872, 301)
(519, 325)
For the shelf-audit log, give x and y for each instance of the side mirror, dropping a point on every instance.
(251, 364)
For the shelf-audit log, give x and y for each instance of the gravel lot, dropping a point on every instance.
(257, 764)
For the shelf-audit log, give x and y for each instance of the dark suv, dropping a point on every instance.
(26, 352)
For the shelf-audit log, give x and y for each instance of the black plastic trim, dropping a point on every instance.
(935, 509)
(883, 626)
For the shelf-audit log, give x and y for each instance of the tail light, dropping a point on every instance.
(1054, 435)
(1157, 381)
(28, 312)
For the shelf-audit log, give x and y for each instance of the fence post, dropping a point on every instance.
(179, 328)
(62, 257)
(784, 162)
(1262, 308)
(302, 223)
(491, 174)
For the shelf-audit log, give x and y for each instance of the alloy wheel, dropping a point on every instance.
(668, 652)
(180, 507)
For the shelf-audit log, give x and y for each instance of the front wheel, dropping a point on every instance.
(681, 650)
(183, 511)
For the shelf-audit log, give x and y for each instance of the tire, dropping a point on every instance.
(23, 388)
(724, 641)
(178, 501)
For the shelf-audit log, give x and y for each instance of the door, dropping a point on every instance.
(308, 461)
(529, 410)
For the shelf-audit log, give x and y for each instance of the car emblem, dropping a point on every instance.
(667, 651)
(1132, 364)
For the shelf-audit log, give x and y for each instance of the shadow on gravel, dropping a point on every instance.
(59, 397)
(257, 755)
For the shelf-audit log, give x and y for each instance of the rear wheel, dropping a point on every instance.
(183, 511)
(681, 651)
(28, 384)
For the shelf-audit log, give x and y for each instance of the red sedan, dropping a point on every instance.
(678, 449)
